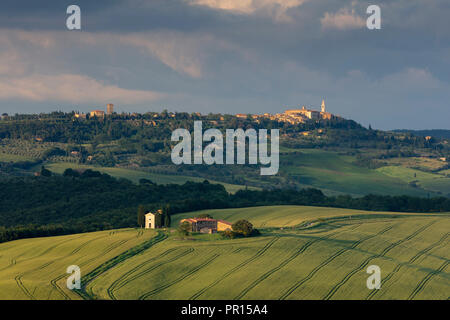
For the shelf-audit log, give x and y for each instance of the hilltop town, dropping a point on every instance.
(294, 116)
(96, 113)
(291, 116)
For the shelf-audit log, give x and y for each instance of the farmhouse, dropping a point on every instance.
(207, 225)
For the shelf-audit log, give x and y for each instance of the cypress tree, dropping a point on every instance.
(167, 219)
(141, 216)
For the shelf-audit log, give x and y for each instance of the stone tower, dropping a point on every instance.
(109, 108)
(323, 106)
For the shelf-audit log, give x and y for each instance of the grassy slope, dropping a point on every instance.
(332, 171)
(36, 268)
(428, 181)
(136, 175)
(7, 157)
(278, 216)
(327, 259)
(329, 171)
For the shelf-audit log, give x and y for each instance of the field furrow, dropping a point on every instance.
(329, 260)
(127, 280)
(412, 260)
(235, 269)
(333, 291)
(427, 278)
(188, 274)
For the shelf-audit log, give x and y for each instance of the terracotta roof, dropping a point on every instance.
(205, 219)
(225, 222)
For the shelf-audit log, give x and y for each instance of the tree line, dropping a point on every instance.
(92, 201)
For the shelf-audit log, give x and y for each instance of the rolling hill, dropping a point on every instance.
(303, 253)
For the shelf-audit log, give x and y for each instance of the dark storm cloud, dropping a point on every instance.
(259, 58)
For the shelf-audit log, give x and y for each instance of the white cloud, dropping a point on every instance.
(342, 20)
(12, 64)
(411, 80)
(71, 88)
(277, 9)
(182, 53)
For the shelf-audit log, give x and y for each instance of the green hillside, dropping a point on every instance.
(303, 253)
(432, 182)
(136, 175)
(337, 156)
(36, 268)
(337, 173)
(286, 216)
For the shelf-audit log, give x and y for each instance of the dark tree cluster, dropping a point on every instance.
(91, 201)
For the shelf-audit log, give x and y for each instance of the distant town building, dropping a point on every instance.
(4, 116)
(97, 113)
(80, 115)
(241, 116)
(109, 108)
(207, 225)
(304, 112)
(295, 116)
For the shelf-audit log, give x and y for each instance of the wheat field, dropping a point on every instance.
(314, 253)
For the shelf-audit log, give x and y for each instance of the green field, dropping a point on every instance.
(281, 216)
(7, 157)
(303, 253)
(333, 172)
(432, 182)
(337, 173)
(36, 268)
(136, 175)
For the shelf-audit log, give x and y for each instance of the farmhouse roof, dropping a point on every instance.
(225, 222)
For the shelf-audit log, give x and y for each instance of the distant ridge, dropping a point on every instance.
(436, 133)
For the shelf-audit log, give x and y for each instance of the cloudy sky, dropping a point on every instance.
(230, 56)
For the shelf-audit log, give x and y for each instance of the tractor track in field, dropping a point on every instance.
(119, 280)
(412, 260)
(347, 277)
(56, 245)
(55, 286)
(329, 260)
(126, 280)
(111, 263)
(111, 247)
(18, 280)
(19, 277)
(427, 278)
(14, 260)
(283, 263)
(179, 279)
(85, 244)
(239, 266)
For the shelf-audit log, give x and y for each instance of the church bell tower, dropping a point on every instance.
(323, 106)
